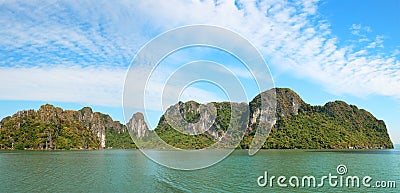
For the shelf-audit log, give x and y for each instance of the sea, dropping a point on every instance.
(266, 171)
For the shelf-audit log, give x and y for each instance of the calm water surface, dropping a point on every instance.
(131, 171)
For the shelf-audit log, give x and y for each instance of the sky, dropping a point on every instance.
(77, 53)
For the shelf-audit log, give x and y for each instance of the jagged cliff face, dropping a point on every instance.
(137, 126)
(54, 128)
(263, 109)
(292, 123)
(98, 123)
(289, 103)
(279, 103)
(191, 130)
(334, 125)
(191, 117)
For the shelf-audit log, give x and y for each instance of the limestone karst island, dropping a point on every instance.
(297, 125)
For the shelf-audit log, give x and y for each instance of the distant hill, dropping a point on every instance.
(334, 125)
(54, 128)
(294, 125)
(297, 125)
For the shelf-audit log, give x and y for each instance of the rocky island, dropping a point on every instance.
(54, 128)
(295, 125)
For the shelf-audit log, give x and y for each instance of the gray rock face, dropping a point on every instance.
(137, 125)
(85, 118)
(278, 102)
(263, 110)
(266, 110)
(288, 102)
(212, 119)
(190, 117)
(98, 123)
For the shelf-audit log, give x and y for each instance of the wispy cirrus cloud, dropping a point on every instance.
(104, 35)
(87, 85)
(359, 30)
(295, 38)
(67, 32)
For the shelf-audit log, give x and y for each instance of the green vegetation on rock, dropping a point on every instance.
(53, 128)
(336, 125)
(121, 140)
(295, 125)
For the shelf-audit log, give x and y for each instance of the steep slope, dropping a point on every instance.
(291, 123)
(204, 132)
(53, 128)
(296, 124)
(334, 125)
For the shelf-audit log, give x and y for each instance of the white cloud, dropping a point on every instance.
(68, 32)
(378, 43)
(106, 34)
(287, 34)
(88, 85)
(359, 30)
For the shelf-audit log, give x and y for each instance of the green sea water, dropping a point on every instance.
(131, 171)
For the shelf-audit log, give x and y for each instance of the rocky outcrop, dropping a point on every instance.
(98, 123)
(138, 126)
(280, 112)
(334, 125)
(290, 122)
(263, 110)
(197, 126)
(191, 117)
(53, 128)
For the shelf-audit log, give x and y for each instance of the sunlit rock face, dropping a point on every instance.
(54, 128)
(137, 125)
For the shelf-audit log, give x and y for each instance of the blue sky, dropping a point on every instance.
(75, 54)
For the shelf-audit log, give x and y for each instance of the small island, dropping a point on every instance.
(52, 128)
